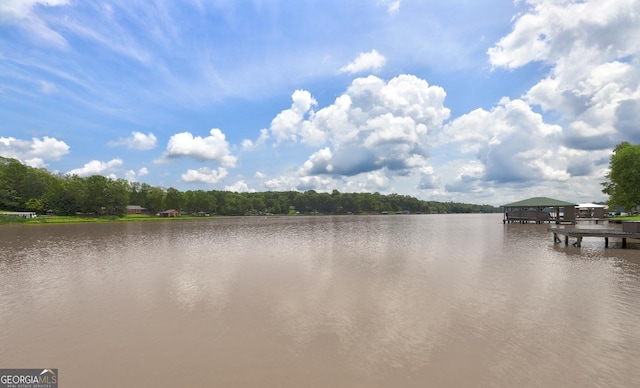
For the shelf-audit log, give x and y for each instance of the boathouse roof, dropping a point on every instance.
(540, 202)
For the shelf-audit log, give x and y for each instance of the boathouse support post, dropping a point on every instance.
(578, 242)
(606, 242)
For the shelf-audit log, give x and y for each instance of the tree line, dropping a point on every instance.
(36, 189)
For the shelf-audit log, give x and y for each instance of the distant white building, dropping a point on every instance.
(20, 214)
(591, 210)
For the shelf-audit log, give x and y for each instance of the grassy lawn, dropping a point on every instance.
(83, 219)
(626, 218)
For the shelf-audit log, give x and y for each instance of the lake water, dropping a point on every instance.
(347, 301)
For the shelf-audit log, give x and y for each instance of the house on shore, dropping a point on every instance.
(540, 210)
(137, 209)
(169, 213)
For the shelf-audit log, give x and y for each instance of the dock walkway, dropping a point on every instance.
(580, 233)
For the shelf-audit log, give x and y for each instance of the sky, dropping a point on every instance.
(475, 101)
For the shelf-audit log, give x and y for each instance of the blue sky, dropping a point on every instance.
(484, 101)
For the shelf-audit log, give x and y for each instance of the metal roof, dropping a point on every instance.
(540, 202)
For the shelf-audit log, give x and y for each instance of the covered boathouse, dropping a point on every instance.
(540, 210)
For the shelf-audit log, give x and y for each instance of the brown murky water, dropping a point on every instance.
(389, 301)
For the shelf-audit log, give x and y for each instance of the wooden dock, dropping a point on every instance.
(580, 233)
(593, 219)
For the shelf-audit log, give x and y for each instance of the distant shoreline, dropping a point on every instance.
(50, 220)
(47, 219)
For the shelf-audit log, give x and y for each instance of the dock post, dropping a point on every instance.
(566, 239)
(624, 242)
(606, 242)
(578, 242)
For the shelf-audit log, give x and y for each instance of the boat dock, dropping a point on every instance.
(594, 220)
(580, 233)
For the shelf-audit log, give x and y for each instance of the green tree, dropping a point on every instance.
(199, 201)
(65, 195)
(20, 184)
(136, 195)
(257, 202)
(36, 205)
(301, 202)
(154, 198)
(623, 179)
(230, 203)
(117, 197)
(95, 197)
(10, 171)
(347, 203)
(174, 199)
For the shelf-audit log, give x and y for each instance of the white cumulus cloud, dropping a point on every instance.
(290, 124)
(204, 175)
(248, 145)
(375, 125)
(34, 152)
(134, 176)
(373, 133)
(137, 141)
(512, 143)
(239, 187)
(372, 61)
(211, 148)
(593, 53)
(284, 183)
(97, 167)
